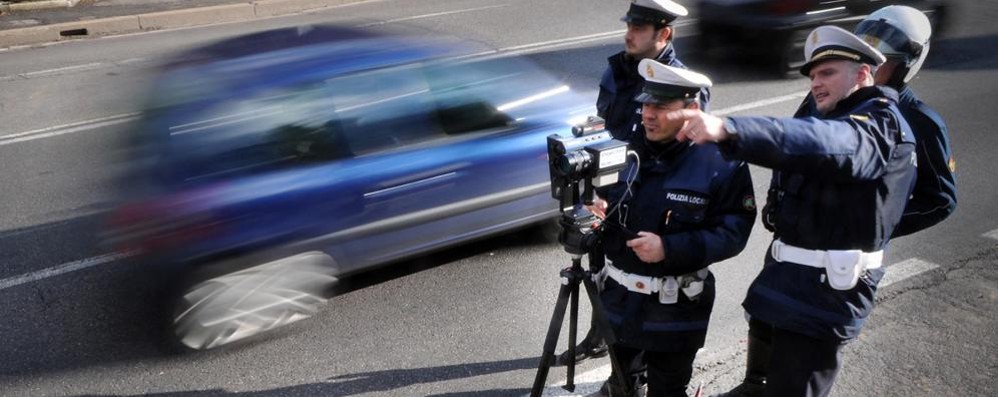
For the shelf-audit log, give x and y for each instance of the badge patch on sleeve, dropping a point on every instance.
(952, 164)
(749, 203)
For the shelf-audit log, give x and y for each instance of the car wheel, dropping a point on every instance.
(234, 306)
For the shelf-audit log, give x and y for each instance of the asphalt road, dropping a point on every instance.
(468, 321)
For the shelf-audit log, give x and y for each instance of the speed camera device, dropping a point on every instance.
(590, 158)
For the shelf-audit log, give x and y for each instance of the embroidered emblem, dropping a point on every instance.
(749, 203)
(952, 164)
(649, 71)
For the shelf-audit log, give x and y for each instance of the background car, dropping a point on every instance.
(269, 165)
(773, 31)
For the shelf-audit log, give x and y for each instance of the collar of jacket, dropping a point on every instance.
(861, 95)
(654, 153)
(906, 95)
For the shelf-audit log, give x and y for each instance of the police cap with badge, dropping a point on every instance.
(656, 12)
(664, 83)
(832, 42)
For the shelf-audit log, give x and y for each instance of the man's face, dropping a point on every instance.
(657, 128)
(885, 71)
(643, 41)
(833, 81)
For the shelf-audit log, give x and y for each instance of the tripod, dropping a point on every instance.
(576, 240)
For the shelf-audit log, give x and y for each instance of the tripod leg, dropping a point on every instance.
(550, 342)
(573, 321)
(607, 331)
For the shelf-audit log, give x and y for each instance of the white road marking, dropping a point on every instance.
(560, 42)
(437, 14)
(759, 104)
(586, 383)
(71, 69)
(992, 234)
(546, 45)
(68, 128)
(130, 61)
(904, 270)
(61, 269)
(87, 66)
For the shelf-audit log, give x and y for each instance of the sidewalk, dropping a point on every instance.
(94, 18)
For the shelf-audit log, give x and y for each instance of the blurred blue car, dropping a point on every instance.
(268, 165)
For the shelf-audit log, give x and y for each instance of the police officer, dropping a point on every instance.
(840, 185)
(902, 34)
(649, 36)
(677, 209)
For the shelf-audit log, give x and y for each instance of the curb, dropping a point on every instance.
(158, 20)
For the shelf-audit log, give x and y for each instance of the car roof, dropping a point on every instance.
(306, 53)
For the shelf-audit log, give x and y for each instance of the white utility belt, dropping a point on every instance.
(842, 267)
(667, 287)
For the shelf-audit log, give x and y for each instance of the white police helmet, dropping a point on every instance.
(898, 32)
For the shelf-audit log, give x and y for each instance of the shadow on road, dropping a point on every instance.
(87, 317)
(114, 312)
(380, 381)
(964, 53)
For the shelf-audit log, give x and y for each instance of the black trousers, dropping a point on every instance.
(801, 366)
(667, 374)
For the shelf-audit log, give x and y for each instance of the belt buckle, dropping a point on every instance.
(642, 284)
(775, 250)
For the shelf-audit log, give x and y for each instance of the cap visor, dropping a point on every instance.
(636, 20)
(645, 97)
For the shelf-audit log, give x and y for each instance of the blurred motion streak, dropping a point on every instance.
(773, 31)
(269, 165)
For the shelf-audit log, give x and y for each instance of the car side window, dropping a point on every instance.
(465, 93)
(267, 130)
(384, 109)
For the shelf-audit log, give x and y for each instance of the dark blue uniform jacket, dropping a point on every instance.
(620, 84)
(934, 198)
(703, 208)
(840, 182)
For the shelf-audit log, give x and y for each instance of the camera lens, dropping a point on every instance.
(574, 164)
